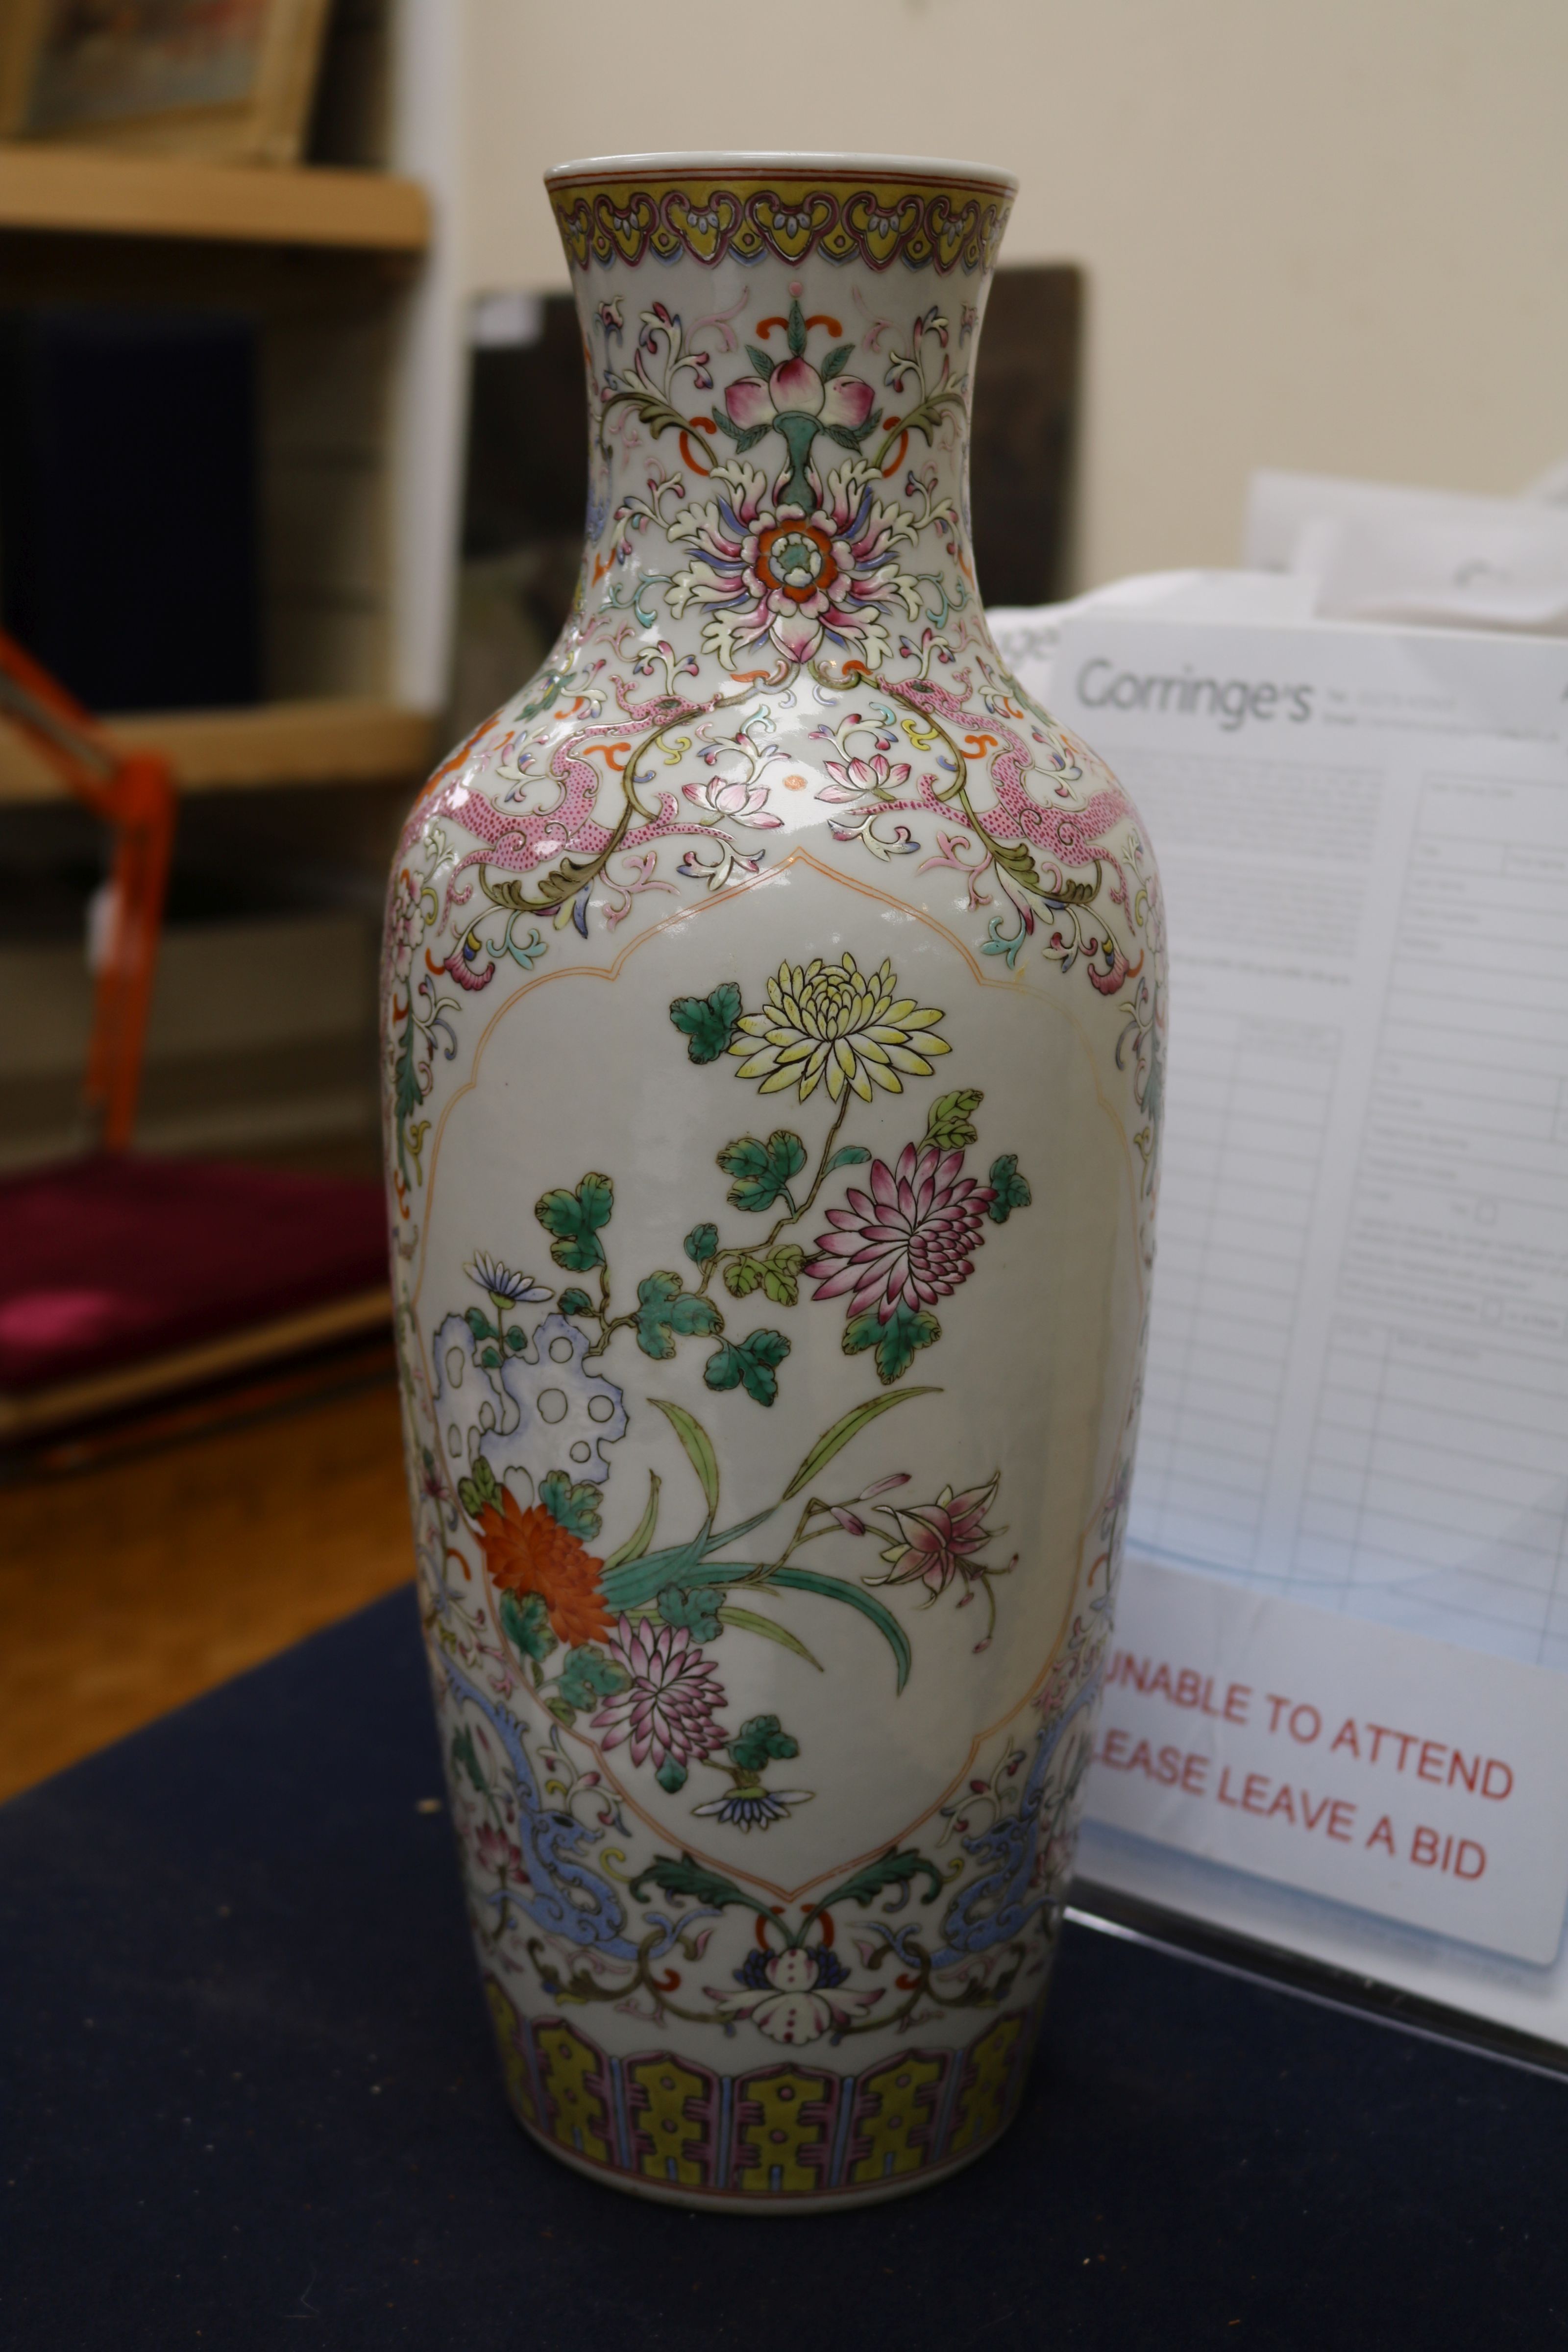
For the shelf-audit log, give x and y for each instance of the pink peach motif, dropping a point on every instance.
(795, 388)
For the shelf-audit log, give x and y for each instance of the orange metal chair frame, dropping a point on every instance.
(134, 793)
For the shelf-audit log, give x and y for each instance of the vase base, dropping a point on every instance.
(761, 2204)
(787, 2137)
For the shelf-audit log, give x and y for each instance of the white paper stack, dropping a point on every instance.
(1356, 1413)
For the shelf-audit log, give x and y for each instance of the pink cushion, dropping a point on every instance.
(106, 1262)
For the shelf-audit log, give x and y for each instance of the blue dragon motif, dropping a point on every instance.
(995, 1906)
(570, 1900)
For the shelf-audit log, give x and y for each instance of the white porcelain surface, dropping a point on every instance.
(772, 1028)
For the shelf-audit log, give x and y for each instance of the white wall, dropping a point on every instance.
(1325, 234)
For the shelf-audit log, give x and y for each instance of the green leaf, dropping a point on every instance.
(835, 1588)
(848, 1155)
(1011, 1190)
(751, 1363)
(833, 1441)
(696, 1882)
(695, 1610)
(407, 1096)
(1014, 858)
(641, 1535)
(780, 1273)
(761, 1171)
(466, 1756)
(835, 362)
(670, 1775)
(517, 1339)
(698, 1448)
(563, 1712)
(759, 361)
(708, 1023)
(479, 1323)
(949, 1123)
(588, 1676)
(750, 1621)
(701, 1244)
(575, 1302)
(742, 441)
(897, 1341)
(574, 1508)
(760, 1742)
(479, 1492)
(526, 1624)
(666, 1310)
(575, 1219)
(597, 1196)
(890, 1869)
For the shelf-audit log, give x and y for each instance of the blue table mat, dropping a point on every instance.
(250, 2098)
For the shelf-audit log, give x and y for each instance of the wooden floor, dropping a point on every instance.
(127, 1589)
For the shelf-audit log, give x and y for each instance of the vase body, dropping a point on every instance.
(772, 1034)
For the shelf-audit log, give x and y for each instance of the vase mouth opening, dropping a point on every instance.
(769, 164)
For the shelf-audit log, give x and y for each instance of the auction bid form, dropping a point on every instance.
(1352, 1492)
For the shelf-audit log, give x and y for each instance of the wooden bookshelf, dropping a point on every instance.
(338, 740)
(81, 190)
(361, 351)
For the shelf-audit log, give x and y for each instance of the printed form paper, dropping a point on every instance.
(1356, 1411)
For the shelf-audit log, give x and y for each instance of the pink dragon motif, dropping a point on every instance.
(517, 844)
(1068, 836)
(1073, 837)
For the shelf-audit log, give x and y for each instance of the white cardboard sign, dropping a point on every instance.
(1377, 1768)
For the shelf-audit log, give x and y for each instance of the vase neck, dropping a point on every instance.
(779, 391)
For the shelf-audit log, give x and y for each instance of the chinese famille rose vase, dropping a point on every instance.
(772, 1032)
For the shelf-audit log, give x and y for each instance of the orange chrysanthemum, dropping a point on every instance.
(526, 1551)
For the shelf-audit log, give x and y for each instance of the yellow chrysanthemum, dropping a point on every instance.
(834, 1024)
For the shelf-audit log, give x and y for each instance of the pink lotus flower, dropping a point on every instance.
(910, 1238)
(938, 1541)
(499, 1854)
(404, 922)
(738, 803)
(668, 1707)
(797, 389)
(852, 778)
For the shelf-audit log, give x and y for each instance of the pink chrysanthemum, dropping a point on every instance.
(667, 1708)
(911, 1237)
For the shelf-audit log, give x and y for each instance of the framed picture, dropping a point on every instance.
(227, 80)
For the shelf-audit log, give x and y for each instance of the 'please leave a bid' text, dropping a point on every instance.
(1286, 1798)
(1353, 1762)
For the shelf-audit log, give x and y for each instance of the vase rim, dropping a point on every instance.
(766, 162)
